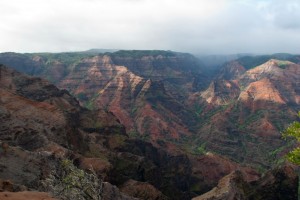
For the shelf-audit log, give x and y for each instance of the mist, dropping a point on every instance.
(195, 26)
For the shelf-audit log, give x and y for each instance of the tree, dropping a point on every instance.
(293, 131)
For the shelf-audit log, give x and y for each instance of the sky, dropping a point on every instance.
(195, 26)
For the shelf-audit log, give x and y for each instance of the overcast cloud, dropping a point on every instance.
(197, 26)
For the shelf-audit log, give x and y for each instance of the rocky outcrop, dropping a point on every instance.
(230, 188)
(262, 94)
(221, 92)
(112, 192)
(282, 75)
(280, 183)
(142, 190)
(20, 169)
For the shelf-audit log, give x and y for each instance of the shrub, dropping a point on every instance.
(67, 182)
(293, 131)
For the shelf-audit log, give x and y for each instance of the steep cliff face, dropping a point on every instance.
(146, 90)
(241, 109)
(26, 100)
(98, 83)
(39, 123)
(143, 92)
(220, 92)
(177, 174)
(176, 70)
(281, 79)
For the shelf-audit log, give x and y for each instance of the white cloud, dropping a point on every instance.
(204, 26)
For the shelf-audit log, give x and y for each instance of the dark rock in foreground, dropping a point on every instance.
(278, 184)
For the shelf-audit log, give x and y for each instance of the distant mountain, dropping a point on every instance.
(101, 50)
(214, 62)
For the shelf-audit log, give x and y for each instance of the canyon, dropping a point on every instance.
(156, 121)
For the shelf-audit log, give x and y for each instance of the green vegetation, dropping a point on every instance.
(252, 61)
(293, 131)
(66, 58)
(141, 53)
(202, 149)
(98, 124)
(134, 109)
(273, 155)
(89, 105)
(133, 133)
(198, 109)
(252, 118)
(81, 96)
(282, 64)
(202, 119)
(197, 187)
